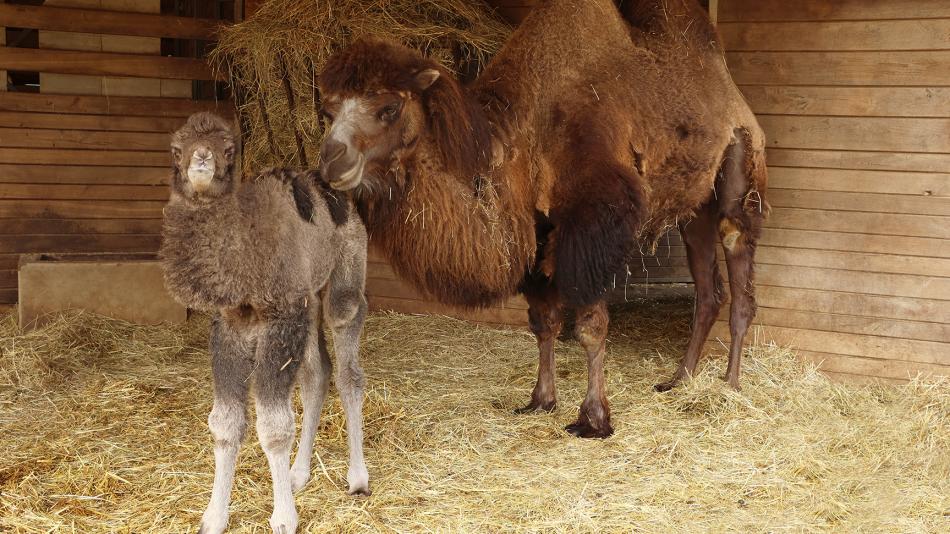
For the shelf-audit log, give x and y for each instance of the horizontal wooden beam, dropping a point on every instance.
(107, 22)
(112, 105)
(103, 64)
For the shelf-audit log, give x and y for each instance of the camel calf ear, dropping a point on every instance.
(425, 78)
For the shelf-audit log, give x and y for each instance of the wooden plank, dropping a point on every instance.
(80, 226)
(103, 64)
(824, 10)
(8, 278)
(883, 134)
(855, 304)
(81, 209)
(9, 261)
(881, 368)
(858, 160)
(892, 182)
(86, 243)
(8, 296)
(918, 68)
(490, 315)
(853, 261)
(851, 324)
(887, 348)
(97, 175)
(916, 34)
(849, 101)
(107, 22)
(112, 105)
(84, 192)
(857, 221)
(867, 202)
(83, 139)
(896, 285)
(60, 121)
(399, 289)
(856, 242)
(861, 380)
(123, 158)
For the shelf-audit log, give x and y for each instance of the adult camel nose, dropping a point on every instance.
(331, 151)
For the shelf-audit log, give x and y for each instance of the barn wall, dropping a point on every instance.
(854, 96)
(84, 157)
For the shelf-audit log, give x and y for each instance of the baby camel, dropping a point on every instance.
(266, 256)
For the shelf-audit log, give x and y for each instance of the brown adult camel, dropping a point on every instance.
(593, 130)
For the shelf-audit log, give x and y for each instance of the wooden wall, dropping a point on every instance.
(854, 96)
(81, 169)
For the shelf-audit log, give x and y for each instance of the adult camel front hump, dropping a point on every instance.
(592, 132)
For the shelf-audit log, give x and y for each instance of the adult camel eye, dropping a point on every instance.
(390, 112)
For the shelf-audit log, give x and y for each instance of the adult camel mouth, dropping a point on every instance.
(350, 178)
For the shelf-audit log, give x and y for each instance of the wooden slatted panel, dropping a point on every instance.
(854, 264)
(83, 174)
(104, 64)
(106, 22)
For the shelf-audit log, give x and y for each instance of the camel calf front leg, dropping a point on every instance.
(232, 361)
(280, 352)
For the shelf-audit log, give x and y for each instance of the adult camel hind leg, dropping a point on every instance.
(742, 206)
(700, 237)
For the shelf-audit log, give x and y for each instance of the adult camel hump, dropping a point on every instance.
(596, 128)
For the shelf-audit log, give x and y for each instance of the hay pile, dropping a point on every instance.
(102, 429)
(282, 48)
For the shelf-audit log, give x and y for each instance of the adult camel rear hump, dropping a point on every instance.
(599, 126)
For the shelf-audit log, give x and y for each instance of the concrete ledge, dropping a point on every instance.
(124, 286)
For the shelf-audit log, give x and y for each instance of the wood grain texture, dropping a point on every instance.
(849, 101)
(825, 10)
(112, 105)
(912, 34)
(107, 22)
(917, 68)
(103, 64)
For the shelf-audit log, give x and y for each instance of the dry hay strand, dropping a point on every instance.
(287, 42)
(103, 429)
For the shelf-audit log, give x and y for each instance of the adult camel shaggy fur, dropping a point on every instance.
(597, 127)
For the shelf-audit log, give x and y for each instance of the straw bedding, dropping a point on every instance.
(102, 429)
(272, 60)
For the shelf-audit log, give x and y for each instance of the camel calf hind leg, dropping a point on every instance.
(314, 382)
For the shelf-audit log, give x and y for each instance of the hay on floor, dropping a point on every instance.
(272, 60)
(102, 429)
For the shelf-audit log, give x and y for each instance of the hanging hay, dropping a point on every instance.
(273, 58)
(103, 429)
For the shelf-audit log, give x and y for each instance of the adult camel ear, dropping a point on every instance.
(425, 78)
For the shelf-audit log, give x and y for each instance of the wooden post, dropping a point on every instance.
(714, 11)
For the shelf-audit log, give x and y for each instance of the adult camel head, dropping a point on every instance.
(385, 105)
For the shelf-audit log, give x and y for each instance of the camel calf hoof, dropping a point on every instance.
(586, 430)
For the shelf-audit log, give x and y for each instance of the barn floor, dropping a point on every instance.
(102, 429)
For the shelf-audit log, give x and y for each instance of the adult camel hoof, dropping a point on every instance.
(733, 383)
(537, 407)
(586, 430)
(663, 387)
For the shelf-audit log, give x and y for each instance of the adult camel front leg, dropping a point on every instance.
(546, 318)
(593, 421)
